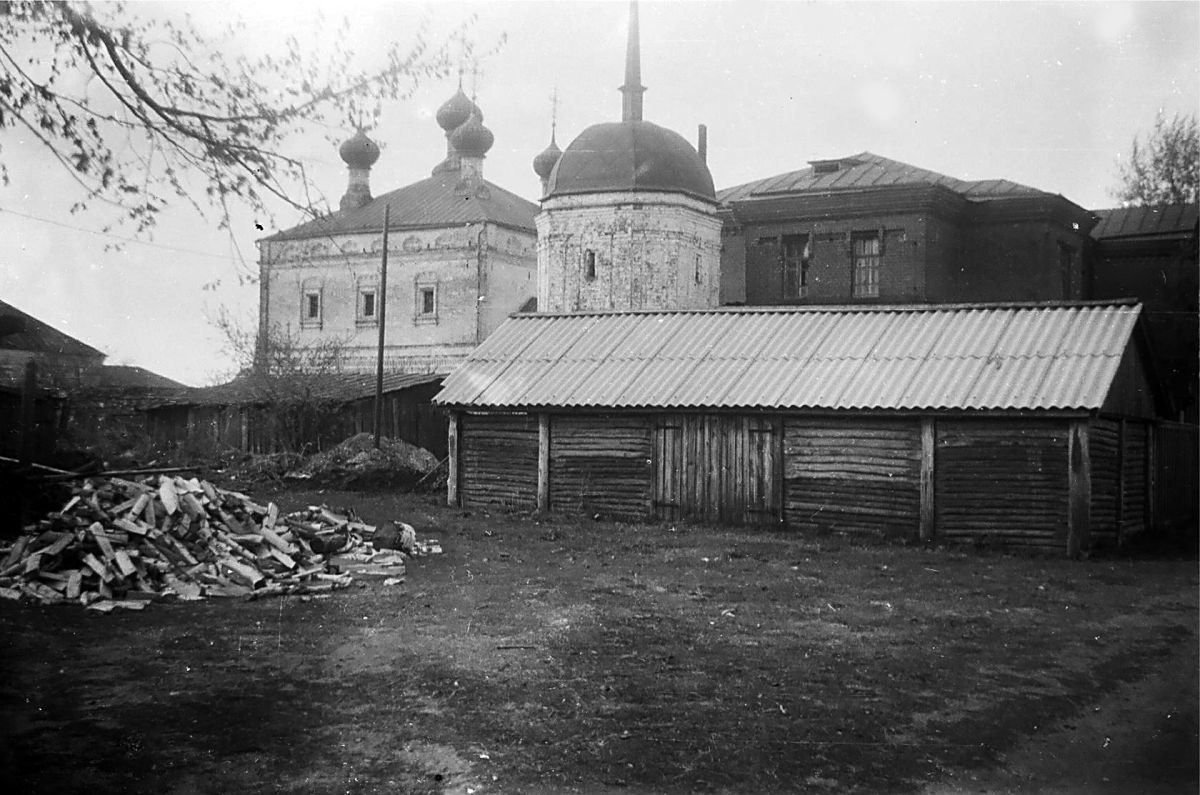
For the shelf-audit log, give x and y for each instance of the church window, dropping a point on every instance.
(589, 265)
(310, 308)
(794, 255)
(868, 261)
(426, 307)
(368, 306)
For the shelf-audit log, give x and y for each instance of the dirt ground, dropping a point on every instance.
(551, 655)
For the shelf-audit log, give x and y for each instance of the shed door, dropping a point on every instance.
(715, 468)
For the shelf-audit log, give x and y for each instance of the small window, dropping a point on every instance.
(368, 306)
(310, 316)
(426, 304)
(589, 265)
(794, 255)
(868, 260)
(1066, 267)
(696, 274)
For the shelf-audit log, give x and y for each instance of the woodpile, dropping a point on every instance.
(123, 543)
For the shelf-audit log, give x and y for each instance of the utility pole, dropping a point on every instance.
(382, 311)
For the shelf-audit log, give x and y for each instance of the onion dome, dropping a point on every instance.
(359, 151)
(545, 162)
(455, 111)
(631, 156)
(472, 139)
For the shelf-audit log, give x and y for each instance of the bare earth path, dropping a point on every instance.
(548, 655)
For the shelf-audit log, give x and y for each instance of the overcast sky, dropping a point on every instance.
(1045, 94)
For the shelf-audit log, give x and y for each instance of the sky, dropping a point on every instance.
(1047, 94)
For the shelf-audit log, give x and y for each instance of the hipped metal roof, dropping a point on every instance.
(869, 170)
(1124, 222)
(899, 358)
(443, 199)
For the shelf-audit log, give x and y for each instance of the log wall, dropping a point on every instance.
(856, 474)
(1106, 450)
(600, 465)
(1135, 486)
(1003, 481)
(498, 461)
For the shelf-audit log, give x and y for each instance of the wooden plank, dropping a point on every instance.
(168, 494)
(452, 498)
(928, 510)
(543, 463)
(1080, 478)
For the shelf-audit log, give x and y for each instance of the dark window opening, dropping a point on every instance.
(868, 260)
(794, 255)
(312, 306)
(589, 265)
(368, 305)
(427, 301)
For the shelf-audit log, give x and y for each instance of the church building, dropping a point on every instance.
(461, 259)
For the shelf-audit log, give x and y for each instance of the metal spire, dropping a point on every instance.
(631, 101)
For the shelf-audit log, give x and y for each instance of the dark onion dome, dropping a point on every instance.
(455, 111)
(628, 156)
(472, 139)
(545, 162)
(359, 151)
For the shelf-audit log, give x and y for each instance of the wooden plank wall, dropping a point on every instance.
(1175, 507)
(856, 474)
(1135, 487)
(601, 465)
(717, 468)
(1003, 481)
(498, 455)
(1105, 449)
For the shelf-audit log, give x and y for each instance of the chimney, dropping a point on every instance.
(702, 143)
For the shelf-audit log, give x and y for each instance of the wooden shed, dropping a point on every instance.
(1029, 425)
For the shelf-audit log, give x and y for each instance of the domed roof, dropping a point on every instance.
(359, 151)
(547, 159)
(472, 139)
(631, 155)
(455, 111)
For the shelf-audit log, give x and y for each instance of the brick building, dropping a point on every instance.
(461, 258)
(867, 229)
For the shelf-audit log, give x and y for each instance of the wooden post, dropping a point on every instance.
(452, 461)
(928, 528)
(1079, 502)
(1151, 469)
(1121, 437)
(29, 414)
(543, 472)
(381, 312)
(780, 473)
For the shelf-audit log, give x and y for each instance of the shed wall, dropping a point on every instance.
(1002, 481)
(498, 461)
(860, 475)
(601, 464)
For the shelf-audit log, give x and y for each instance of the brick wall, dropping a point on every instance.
(628, 251)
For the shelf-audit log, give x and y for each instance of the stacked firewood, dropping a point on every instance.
(122, 543)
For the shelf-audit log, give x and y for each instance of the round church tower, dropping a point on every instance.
(629, 217)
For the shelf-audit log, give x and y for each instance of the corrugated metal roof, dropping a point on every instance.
(440, 200)
(895, 357)
(868, 170)
(1172, 219)
(331, 386)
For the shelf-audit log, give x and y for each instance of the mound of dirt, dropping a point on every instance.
(357, 463)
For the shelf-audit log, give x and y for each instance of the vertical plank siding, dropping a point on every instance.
(1106, 481)
(716, 468)
(860, 475)
(1135, 491)
(1175, 465)
(600, 465)
(1003, 481)
(498, 454)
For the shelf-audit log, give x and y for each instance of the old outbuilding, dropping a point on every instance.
(1030, 425)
